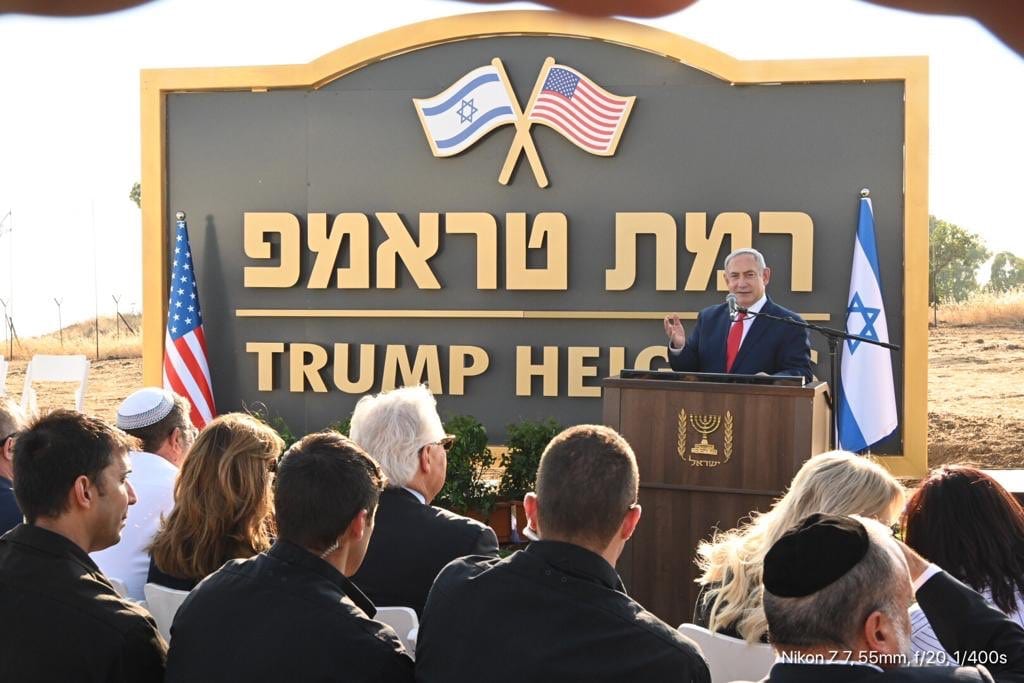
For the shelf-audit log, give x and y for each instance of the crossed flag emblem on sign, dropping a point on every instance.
(563, 99)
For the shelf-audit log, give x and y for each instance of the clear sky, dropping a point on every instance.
(69, 114)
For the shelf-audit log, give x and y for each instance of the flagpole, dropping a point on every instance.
(522, 139)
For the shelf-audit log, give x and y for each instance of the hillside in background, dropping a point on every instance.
(118, 338)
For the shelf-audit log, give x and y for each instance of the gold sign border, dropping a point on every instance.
(156, 84)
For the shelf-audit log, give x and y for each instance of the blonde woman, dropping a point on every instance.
(222, 505)
(836, 482)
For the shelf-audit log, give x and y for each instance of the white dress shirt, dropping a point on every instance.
(925, 644)
(153, 479)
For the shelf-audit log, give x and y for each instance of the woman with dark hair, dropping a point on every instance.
(222, 504)
(964, 521)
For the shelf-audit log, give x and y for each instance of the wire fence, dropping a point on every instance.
(104, 337)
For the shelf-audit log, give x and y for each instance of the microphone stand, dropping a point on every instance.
(833, 337)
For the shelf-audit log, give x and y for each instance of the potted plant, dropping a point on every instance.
(526, 442)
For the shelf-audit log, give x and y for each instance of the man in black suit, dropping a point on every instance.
(557, 611)
(413, 540)
(745, 344)
(836, 591)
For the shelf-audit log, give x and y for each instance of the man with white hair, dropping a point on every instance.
(836, 592)
(413, 540)
(742, 342)
(159, 419)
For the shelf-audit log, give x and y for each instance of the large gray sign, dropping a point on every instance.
(336, 255)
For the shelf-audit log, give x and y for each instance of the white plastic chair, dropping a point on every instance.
(3, 376)
(43, 368)
(404, 621)
(731, 659)
(163, 604)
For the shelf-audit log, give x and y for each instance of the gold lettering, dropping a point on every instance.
(264, 362)
(485, 228)
(628, 226)
(647, 356)
(578, 371)
(396, 360)
(551, 232)
(616, 360)
(327, 246)
(255, 227)
(342, 380)
(801, 227)
(526, 370)
(706, 246)
(400, 245)
(459, 370)
(303, 371)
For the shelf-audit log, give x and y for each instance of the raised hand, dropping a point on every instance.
(674, 331)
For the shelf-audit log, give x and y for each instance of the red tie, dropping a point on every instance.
(732, 347)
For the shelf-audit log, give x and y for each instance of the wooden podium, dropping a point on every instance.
(709, 453)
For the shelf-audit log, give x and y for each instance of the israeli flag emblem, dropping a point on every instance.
(466, 111)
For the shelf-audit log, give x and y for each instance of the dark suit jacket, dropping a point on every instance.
(411, 543)
(283, 615)
(10, 513)
(962, 620)
(553, 612)
(62, 620)
(770, 346)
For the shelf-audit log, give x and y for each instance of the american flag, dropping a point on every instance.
(581, 110)
(185, 369)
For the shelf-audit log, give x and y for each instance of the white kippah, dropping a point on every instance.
(144, 408)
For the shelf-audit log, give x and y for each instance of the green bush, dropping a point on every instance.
(262, 413)
(342, 426)
(526, 443)
(464, 488)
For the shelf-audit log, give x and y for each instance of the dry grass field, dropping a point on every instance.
(975, 378)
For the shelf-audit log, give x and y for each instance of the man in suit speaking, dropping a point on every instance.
(742, 343)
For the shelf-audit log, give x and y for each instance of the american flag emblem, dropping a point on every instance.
(186, 371)
(588, 115)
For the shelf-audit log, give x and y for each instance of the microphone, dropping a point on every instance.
(730, 300)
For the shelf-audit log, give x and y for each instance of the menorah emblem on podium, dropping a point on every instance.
(706, 425)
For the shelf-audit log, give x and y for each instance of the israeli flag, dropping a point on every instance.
(867, 397)
(472, 107)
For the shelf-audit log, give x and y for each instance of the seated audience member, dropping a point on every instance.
(62, 619)
(836, 592)
(838, 483)
(401, 430)
(222, 509)
(965, 522)
(159, 419)
(557, 611)
(12, 421)
(291, 613)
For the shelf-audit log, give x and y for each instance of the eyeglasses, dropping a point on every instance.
(446, 443)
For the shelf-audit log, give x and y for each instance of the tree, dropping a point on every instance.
(956, 255)
(136, 194)
(1007, 272)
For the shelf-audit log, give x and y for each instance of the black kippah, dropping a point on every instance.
(813, 554)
